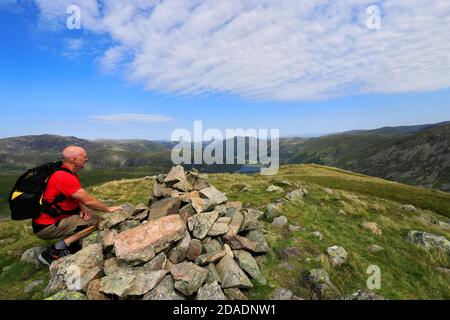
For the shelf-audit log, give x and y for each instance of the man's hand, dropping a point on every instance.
(114, 209)
(85, 213)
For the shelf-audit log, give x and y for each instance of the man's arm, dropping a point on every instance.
(91, 202)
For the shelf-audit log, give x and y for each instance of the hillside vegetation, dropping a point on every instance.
(407, 271)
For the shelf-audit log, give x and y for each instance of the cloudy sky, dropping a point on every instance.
(142, 68)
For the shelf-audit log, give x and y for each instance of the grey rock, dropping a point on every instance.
(214, 195)
(363, 295)
(221, 209)
(250, 221)
(296, 194)
(128, 282)
(146, 281)
(164, 207)
(319, 285)
(211, 257)
(108, 238)
(213, 275)
(225, 220)
(211, 245)
(279, 222)
(200, 224)
(127, 225)
(236, 222)
(429, 241)
(281, 294)
(157, 263)
(247, 263)
(375, 248)
(110, 265)
(318, 235)
(202, 205)
(164, 291)
(218, 229)
(234, 294)
(74, 272)
(231, 274)
(211, 291)
(93, 291)
(112, 219)
(188, 277)
(175, 175)
(161, 190)
(294, 228)
(31, 256)
(408, 207)
(273, 210)
(258, 237)
(273, 188)
(178, 254)
(337, 255)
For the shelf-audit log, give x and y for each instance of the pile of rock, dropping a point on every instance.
(188, 242)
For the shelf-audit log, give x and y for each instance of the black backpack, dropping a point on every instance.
(26, 198)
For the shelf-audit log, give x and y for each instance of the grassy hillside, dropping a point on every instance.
(407, 272)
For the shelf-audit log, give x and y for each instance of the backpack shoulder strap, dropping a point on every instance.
(65, 170)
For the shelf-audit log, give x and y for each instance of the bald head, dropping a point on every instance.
(74, 157)
(72, 152)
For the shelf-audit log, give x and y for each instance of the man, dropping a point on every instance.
(70, 219)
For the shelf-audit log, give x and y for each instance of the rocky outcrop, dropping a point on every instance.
(319, 285)
(429, 241)
(337, 255)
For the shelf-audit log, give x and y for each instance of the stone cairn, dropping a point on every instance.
(189, 242)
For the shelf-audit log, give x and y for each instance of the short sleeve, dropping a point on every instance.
(68, 184)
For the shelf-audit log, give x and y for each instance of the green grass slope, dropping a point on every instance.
(407, 272)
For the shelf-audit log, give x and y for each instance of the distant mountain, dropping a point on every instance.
(398, 130)
(20, 153)
(421, 157)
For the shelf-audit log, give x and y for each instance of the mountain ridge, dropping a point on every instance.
(418, 155)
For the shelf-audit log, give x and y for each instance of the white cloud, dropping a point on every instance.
(271, 49)
(127, 118)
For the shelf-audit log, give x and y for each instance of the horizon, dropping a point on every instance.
(228, 65)
(281, 137)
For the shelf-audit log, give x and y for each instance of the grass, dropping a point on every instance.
(407, 272)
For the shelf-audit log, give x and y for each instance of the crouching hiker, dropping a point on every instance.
(60, 208)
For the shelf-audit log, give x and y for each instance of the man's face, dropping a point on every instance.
(81, 161)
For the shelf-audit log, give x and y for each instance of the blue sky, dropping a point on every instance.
(132, 66)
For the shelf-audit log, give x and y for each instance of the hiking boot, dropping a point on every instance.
(52, 254)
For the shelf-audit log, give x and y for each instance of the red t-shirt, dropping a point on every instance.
(60, 182)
